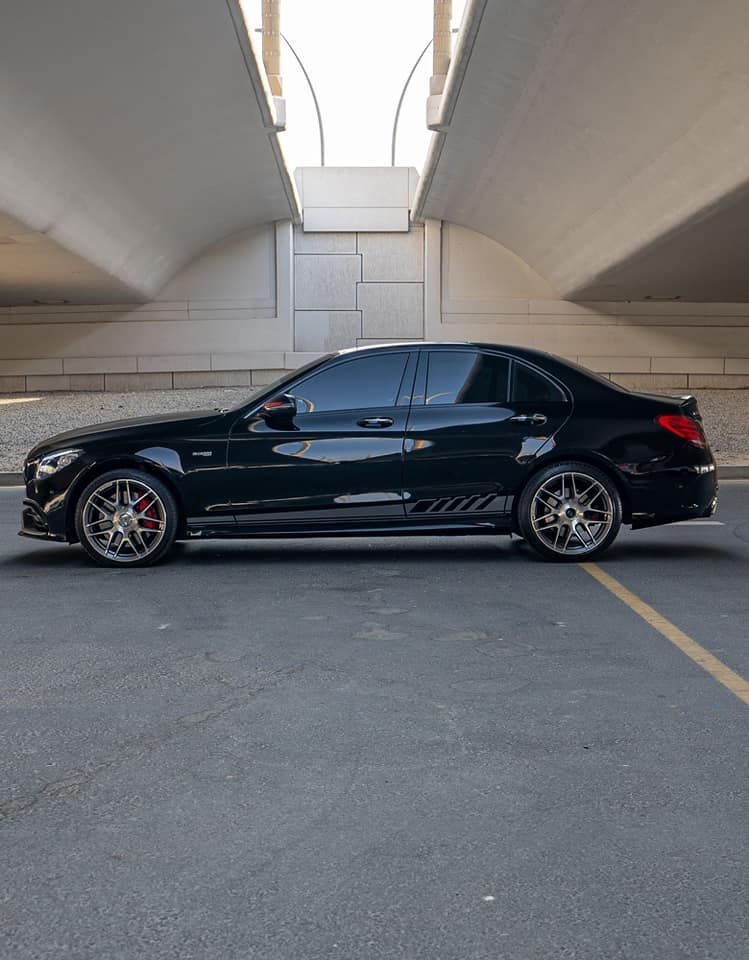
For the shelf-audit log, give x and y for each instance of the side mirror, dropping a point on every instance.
(281, 409)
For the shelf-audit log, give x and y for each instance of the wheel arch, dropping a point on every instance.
(583, 456)
(104, 466)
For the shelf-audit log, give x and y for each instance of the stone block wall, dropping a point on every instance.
(356, 288)
(272, 299)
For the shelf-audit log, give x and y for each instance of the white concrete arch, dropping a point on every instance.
(605, 142)
(134, 136)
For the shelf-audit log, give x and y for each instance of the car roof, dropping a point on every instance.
(528, 352)
(583, 383)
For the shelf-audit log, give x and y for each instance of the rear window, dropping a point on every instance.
(532, 386)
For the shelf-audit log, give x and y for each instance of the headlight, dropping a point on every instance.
(56, 461)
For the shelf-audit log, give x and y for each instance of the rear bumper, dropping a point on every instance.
(680, 493)
(34, 524)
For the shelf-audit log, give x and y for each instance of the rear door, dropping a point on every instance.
(477, 421)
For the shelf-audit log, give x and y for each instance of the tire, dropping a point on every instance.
(570, 512)
(126, 518)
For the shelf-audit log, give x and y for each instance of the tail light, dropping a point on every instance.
(683, 427)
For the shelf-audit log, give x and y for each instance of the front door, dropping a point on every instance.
(477, 420)
(339, 459)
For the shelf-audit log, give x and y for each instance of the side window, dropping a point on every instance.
(362, 383)
(531, 386)
(464, 377)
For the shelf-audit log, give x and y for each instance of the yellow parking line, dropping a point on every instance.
(716, 668)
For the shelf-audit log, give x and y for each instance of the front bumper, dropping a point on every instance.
(34, 524)
(46, 513)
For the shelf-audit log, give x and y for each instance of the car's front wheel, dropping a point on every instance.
(126, 518)
(570, 512)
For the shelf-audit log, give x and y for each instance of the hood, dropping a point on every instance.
(99, 431)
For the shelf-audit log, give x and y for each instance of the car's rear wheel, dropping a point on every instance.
(126, 518)
(570, 512)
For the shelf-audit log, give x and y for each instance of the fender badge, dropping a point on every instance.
(202, 453)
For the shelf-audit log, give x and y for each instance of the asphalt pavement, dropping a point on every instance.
(437, 748)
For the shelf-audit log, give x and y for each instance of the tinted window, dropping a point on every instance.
(353, 385)
(462, 377)
(528, 385)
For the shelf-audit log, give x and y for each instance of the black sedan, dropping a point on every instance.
(421, 438)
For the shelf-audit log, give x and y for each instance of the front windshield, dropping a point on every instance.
(278, 385)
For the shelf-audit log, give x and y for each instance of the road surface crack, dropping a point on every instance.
(73, 783)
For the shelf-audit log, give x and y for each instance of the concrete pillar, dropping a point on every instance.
(441, 46)
(272, 44)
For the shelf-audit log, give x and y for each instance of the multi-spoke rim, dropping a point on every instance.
(124, 520)
(572, 513)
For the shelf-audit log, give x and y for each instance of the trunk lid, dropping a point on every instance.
(685, 404)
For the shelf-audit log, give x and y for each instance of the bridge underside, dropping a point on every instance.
(588, 151)
(604, 143)
(134, 136)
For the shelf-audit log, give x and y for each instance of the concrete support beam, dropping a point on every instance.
(432, 279)
(441, 53)
(441, 50)
(272, 45)
(356, 199)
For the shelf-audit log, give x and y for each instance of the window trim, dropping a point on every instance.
(411, 365)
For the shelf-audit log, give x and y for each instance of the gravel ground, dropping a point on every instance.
(26, 418)
(725, 414)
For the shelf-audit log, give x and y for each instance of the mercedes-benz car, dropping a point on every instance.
(401, 439)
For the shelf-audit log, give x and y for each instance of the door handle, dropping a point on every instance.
(375, 422)
(538, 418)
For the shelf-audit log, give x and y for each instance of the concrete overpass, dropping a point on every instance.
(134, 136)
(586, 192)
(605, 143)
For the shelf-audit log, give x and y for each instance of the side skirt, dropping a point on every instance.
(405, 528)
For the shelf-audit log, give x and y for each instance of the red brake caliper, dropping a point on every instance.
(149, 524)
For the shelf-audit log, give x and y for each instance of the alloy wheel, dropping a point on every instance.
(572, 513)
(124, 520)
